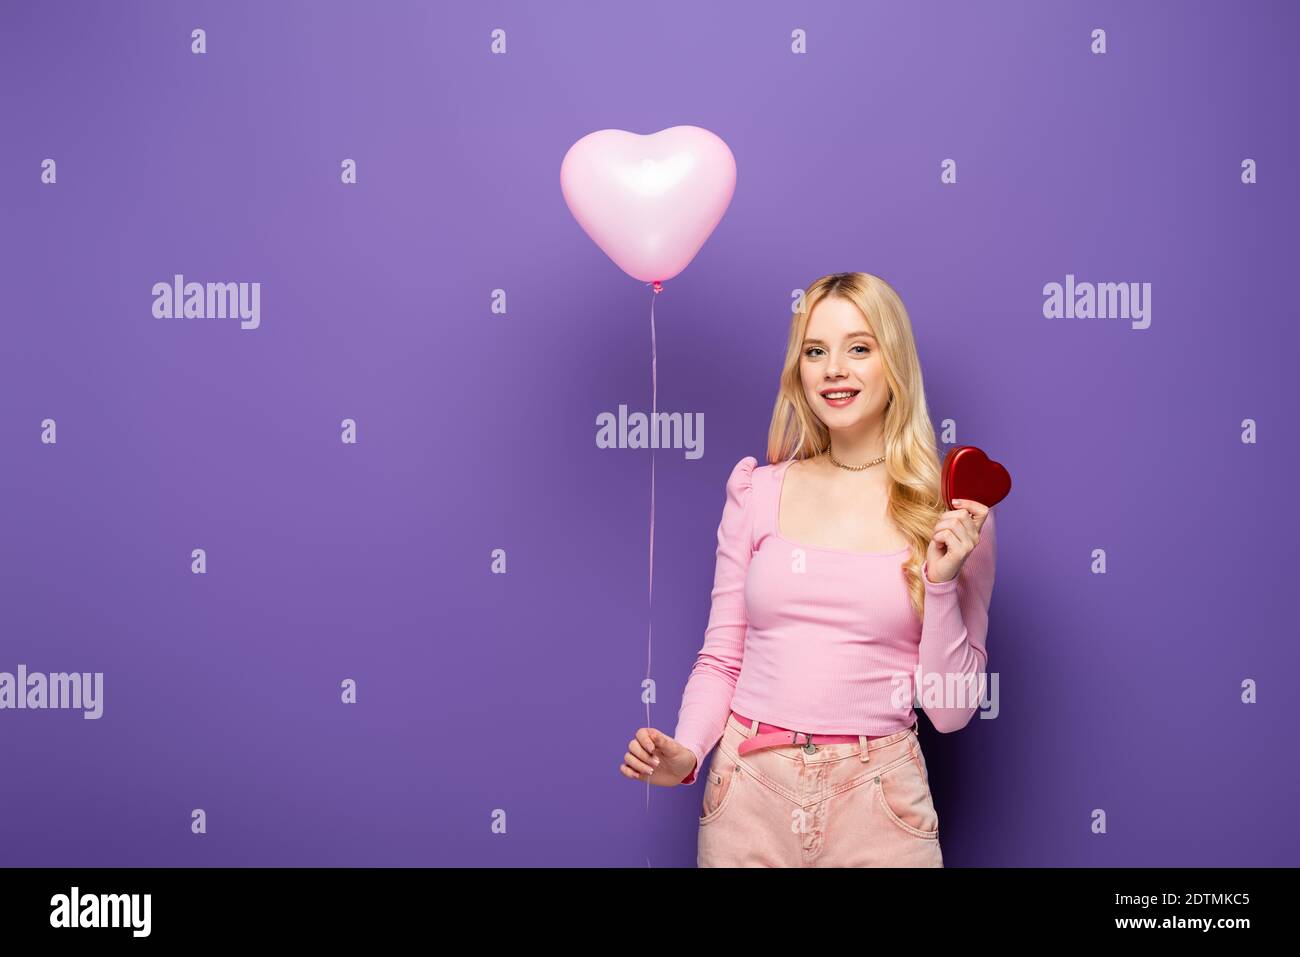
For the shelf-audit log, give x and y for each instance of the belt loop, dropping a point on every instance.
(862, 747)
(753, 727)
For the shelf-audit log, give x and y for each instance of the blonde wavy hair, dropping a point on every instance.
(911, 458)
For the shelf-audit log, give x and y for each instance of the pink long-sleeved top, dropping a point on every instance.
(825, 640)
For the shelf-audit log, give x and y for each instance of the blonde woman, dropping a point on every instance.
(840, 575)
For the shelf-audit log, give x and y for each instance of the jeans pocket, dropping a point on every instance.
(719, 784)
(904, 795)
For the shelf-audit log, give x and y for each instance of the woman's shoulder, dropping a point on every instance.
(748, 479)
(741, 478)
(747, 471)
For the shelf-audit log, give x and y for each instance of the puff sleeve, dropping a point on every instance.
(953, 636)
(706, 700)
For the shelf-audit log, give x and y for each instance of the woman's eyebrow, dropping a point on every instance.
(856, 335)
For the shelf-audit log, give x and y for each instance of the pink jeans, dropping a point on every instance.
(787, 806)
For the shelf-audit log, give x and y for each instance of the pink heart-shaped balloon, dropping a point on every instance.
(651, 201)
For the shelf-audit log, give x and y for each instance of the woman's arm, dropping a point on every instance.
(706, 701)
(953, 635)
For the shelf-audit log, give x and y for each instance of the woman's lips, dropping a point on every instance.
(840, 402)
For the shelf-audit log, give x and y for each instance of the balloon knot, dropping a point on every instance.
(658, 286)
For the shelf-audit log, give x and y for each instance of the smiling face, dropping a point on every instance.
(840, 367)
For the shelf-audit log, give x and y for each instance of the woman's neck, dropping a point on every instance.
(858, 448)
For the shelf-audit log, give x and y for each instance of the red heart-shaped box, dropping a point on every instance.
(969, 473)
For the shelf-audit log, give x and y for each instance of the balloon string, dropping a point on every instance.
(654, 408)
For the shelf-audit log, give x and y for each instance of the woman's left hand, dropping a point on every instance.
(955, 536)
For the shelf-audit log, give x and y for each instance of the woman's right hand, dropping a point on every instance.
(655, 757)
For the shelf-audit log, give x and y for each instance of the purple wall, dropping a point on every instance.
(476, 431)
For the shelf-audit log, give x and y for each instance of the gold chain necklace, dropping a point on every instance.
(853, 468)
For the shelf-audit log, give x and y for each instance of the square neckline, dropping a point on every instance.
(776, 526)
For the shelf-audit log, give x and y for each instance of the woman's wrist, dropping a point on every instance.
(925, 574)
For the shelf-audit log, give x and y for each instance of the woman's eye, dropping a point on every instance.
(812, 349)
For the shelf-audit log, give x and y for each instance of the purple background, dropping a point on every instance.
(476, 431)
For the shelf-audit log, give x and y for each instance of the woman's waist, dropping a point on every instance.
(864, 686)
(803, 729)
(872, 716)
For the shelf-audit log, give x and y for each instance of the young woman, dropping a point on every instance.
(841, 579)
